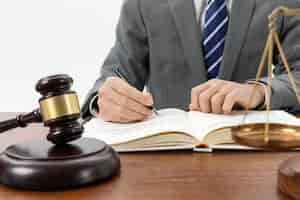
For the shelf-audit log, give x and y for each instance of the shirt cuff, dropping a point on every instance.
(93, 106)
(267, 91)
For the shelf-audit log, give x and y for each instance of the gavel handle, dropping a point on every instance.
(21, 121)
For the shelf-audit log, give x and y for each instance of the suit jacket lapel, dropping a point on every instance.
(240, 18)
(186, 24)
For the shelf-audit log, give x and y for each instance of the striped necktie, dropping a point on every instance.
(215, 29)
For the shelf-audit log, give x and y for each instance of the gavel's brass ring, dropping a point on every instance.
(59, 106)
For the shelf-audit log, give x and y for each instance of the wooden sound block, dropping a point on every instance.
(41, 165)
(289, 177)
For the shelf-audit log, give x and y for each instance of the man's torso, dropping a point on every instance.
(175, 45)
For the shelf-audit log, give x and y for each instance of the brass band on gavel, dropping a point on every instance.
(59, 106)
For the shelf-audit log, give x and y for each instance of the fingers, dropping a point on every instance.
(240, 96)
(217, 102)
(125, 101)
(215, 96)
(205, 99)
(202, 94)
(119, 102)
(112, 112)
(126, 90)
(195, 104)
(229, 102)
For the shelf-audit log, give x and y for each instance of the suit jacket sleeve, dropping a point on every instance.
(129, 54)
(283, 96)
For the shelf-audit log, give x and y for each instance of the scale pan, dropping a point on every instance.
(281, 137)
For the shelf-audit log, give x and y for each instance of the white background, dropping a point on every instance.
(45, 37)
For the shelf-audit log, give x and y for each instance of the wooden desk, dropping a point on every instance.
(170, 175)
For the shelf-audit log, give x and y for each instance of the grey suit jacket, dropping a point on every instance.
(158, 45)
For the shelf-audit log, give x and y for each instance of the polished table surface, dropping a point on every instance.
(169, 175)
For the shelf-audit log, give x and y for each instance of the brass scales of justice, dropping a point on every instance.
(272, 136)
(269, 135)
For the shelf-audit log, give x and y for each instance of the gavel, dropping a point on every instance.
(59, 110)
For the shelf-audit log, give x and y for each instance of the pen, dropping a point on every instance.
(121, 76)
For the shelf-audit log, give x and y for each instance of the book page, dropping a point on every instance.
(168, 120)
(203, 123)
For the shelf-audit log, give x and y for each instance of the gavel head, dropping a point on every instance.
(59, 108)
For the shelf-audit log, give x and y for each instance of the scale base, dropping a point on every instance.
(40, 165)
(289, 178)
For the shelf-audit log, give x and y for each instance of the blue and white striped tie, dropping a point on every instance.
(215, 29)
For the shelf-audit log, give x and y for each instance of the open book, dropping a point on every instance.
(175, 129)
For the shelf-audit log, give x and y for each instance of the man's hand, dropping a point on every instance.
(119, 102)
(218, 96)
